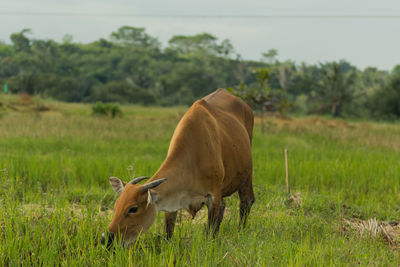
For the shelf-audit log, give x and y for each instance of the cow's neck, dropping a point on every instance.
(173, 193)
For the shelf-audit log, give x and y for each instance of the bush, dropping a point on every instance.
(386, 100)
(109, 109)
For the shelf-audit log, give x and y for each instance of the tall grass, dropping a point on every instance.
(56, 201)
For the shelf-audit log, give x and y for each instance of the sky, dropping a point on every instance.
(363, 32)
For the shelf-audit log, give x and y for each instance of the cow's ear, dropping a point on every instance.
(152, 197)
(117, 185)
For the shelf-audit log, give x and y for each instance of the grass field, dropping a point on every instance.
(55, 199)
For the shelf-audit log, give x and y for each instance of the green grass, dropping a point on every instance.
(55, 199)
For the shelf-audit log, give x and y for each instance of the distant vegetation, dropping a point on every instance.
(133, 67)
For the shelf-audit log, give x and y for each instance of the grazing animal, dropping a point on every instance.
(209, 158)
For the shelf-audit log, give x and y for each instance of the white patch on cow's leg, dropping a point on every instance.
(117, 185)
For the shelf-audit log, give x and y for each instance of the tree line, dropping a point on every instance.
(133, 67)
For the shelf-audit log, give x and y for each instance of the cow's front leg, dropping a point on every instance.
(170, 218)
(215, 215)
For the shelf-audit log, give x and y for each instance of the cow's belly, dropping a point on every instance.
(187, 201)
(233, 183)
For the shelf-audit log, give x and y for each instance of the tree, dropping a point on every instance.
(20, 41)
(262, 97)
(67, 39)
(137, 37)
(270, 55)
(333, 90)
(204, 43)
(386, 100)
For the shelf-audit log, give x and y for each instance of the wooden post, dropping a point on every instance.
(287, 172)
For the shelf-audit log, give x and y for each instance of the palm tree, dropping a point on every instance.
(335, 88)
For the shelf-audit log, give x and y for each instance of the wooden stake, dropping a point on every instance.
(287, 172)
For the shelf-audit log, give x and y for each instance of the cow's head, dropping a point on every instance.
(134, 210)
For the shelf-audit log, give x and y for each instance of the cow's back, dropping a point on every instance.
(233, 105)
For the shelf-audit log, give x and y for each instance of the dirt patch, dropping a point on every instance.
(294, 200)
(390, 232)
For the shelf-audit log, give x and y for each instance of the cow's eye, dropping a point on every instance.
(132, 210)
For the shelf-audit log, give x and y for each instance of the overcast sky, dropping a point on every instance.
(364, 41)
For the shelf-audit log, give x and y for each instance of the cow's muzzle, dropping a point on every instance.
(107, 239)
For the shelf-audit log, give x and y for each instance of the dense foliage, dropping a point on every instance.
(134, 67)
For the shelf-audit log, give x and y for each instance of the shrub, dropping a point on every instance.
(109, 109)
(386, 100)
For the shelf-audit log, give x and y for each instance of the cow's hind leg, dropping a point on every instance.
(247, 199)
(215, 215)
(170, 218)
(221, 211)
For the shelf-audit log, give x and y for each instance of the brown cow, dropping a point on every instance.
(209, 158)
